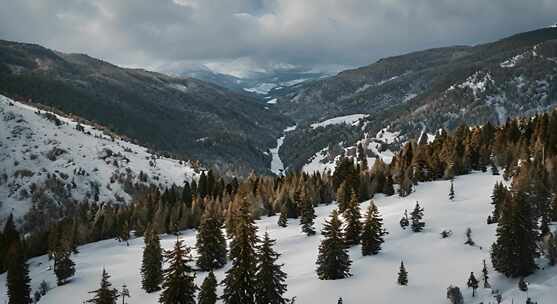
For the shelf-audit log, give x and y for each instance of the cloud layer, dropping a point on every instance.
(265, 33)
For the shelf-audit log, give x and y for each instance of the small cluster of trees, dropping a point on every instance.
(333, 261)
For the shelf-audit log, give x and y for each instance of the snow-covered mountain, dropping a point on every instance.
(46, 158)
(431, 89)
(433, 262)
(262, 82)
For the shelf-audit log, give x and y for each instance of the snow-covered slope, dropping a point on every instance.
(432, 262)
(77, 161)
(375, 147)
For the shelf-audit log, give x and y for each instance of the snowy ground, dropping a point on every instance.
(347, 119)
(433, 263)
(27, 137)
(277, 167)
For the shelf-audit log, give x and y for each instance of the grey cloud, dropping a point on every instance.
(307, 33)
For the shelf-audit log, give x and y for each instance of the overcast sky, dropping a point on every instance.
(234, 35)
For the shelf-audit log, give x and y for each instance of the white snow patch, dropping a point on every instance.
(347, 119)
(277, 167)
(272, 101)
(263, 88)
(180, 87)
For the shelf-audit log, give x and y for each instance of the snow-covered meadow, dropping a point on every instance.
(433, 263)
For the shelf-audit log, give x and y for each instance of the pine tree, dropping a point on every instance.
(515, 249)
(472, 283)
(497, 200)
(270, 279)
(17, 279)
(343, 196)
(64, 267)
(451, 191)
(208, 291)
(239, 283)
(308, 215)
(9, 237)
(340, 301)
(416, 218)
(352, 216)
(125, 293)
(178, 286)
(283, 217)
(454, 295)
(333, 261)
(151, 265)
(485, 276)
(211, 243)
(404, 222)
(402, 275)
(372, 232)
(105, 294)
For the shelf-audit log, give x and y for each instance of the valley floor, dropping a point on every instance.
(433, 263)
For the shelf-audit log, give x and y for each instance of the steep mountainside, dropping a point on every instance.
(50, 160)
(184, 116)
(427, 90)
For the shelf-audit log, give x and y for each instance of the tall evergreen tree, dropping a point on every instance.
(17, 279)
(125, 293)
(105, 294)
(239, 283)
(416, 218)
(352, 216)
(515, 249)
(343, 196)
(10, 235)
(208, 291)
(333, 261)
(151, 265)
(270, 279)
(472, 283)
(211, 243)
(497, 200)
(402, 275)
(64, 267)
(307, 218)
(178, 286)
(372, 232)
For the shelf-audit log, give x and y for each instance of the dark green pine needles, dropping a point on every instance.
(211, 243)
(151, 265)
(239, 283)
(333, 261)
(402, 275)
(17, 279)
(208, 291)
(178, 286)
(105, 294)
(353, 221)
(270, 279)
(372, 232)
